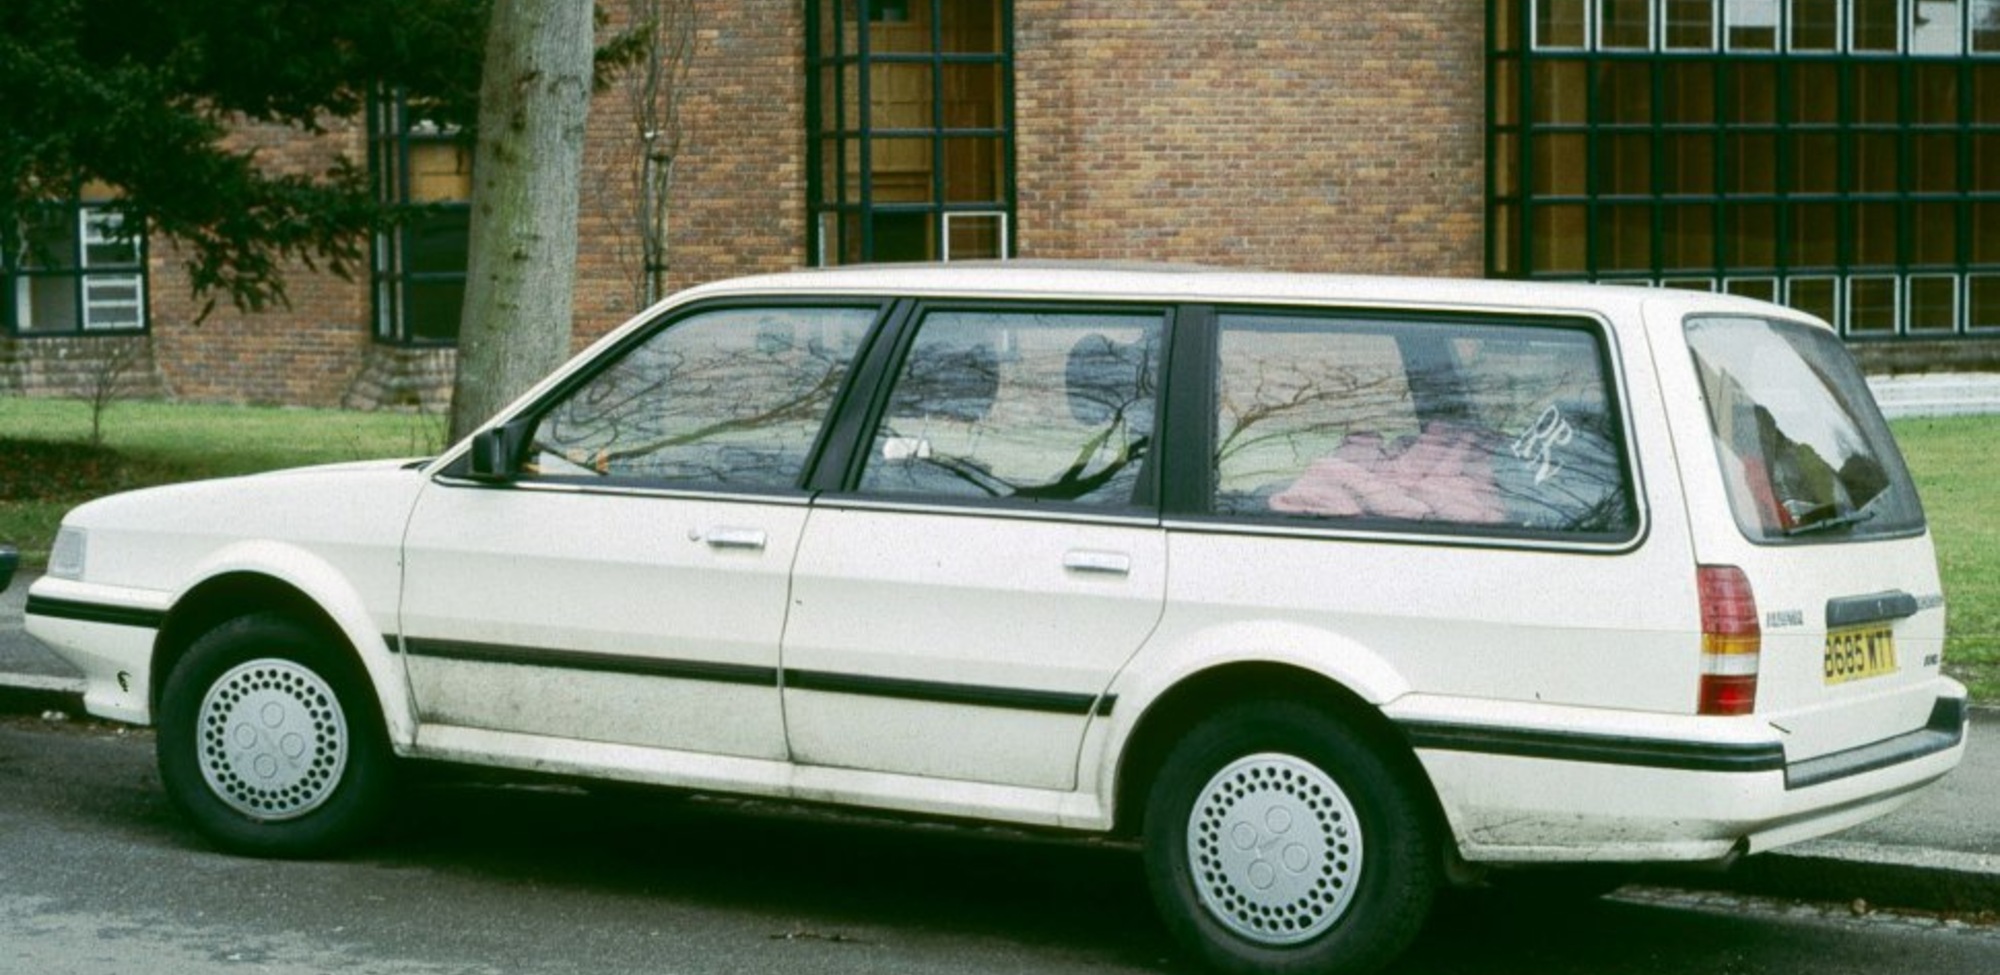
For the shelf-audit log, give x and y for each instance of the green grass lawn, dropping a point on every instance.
(47, 466)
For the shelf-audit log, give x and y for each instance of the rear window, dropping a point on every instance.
(1462, 426)
(1805, 454)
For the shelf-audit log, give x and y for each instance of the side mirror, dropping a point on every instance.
(496, 452)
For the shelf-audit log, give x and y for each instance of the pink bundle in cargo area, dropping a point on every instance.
(1443, 474)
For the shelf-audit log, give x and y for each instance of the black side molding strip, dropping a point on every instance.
(1051, 702)
(82, 612)
(1943, 732)
(604, 663)
(1685, 756)
(1872, 608)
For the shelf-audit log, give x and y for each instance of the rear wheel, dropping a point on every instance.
(270, 741)
(1278, 840)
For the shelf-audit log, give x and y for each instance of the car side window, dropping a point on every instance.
(733, 397)
(1454, 424)
(1029, 406)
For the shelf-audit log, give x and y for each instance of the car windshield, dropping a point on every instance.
(1805, 453)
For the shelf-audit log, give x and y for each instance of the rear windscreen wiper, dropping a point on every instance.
(1842, 521)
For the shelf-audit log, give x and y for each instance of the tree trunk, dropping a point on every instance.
(521, 273)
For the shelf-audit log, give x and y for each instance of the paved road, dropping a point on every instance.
(99, 876)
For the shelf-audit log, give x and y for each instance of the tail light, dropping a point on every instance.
(1730, 641)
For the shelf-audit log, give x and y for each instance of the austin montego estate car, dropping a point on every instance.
(1326, 591)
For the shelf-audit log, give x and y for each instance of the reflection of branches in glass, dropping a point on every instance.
(702, 404)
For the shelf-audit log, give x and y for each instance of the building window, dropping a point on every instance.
(71, 269)
(910, 130)
(419, 265)
(1841, 156)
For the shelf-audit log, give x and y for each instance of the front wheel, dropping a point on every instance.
(1278, 840)
(270, 741)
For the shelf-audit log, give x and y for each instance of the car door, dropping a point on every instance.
(624, 582)
(960, 605)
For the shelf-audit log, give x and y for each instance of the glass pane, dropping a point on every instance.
(1934, 163)
(1876, 89)
(903, 236)
(1624, 238)
(1936, 26)
(1506, 92)
(1986, 233)
(1624, 93)
(1066, 415)
(1687, 164)
(1687, 92)
(47, 304)
(1985, 18)
(1506, 163)
(1752, 164)
(901, 171)
(975, 236)
(899, 96)
(972, 27)
(102, 245)
(1815, 235)
(1625, 165)
(1874, 163)
(973, 169)
(1752, 240)
(1506, 20)
(1815, 94)
(1751, 25)
(1815, 164)
(1687, 237)
(1816, 25)
(1389, 423)
(730, 397)
(1874, 233)
(1933, 304)
(1798, 436)
(899, 26)
(1874, 27)
(1986, 93)
(1934, 92)
(1871, 306)
(431, 309)
(440, 172)
(1559, 163)
(48, 238)
(1560, 98)
(1559, 23)
(1814, 296)
(436, 242)
(972, 96)
(1690, 25)
(1558, 239)
(1983, 301)
(1934, 234)
(1986, 162)
(1624, 25)
(1762, 289)
(1506, 243)
(1753, 93)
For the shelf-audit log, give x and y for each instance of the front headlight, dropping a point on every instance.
(66, 555)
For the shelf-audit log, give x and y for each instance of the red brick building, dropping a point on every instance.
(1839, 155)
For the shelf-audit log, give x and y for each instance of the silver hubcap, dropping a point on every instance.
(1275, 849)
(272, 739)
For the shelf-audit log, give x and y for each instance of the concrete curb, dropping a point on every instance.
(1837, 872)
(33, 694)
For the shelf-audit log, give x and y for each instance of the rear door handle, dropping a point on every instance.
(1102, 563)
(750, 539)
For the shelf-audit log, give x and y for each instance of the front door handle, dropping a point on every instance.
(750, 539)
(1101, 563)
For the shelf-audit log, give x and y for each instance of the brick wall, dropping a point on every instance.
(1299, 135)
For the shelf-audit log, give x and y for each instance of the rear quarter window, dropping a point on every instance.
(1458, 426)
(1804, 451)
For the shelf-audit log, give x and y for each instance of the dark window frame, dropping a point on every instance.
(73, 268)
(391, 137)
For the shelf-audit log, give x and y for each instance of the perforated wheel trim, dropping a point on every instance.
(271, 739)
(1274, 848)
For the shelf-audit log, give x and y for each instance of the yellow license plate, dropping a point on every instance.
(1859, 653)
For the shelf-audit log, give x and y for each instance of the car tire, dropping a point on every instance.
(1277, 840)
(271, 741)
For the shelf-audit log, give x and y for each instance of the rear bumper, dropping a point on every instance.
(1625, 792)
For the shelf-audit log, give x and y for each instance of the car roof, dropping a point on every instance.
(1127, 281)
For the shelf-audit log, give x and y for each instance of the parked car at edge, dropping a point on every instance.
(1326, 589)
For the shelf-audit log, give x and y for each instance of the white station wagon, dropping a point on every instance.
(1327, 590)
